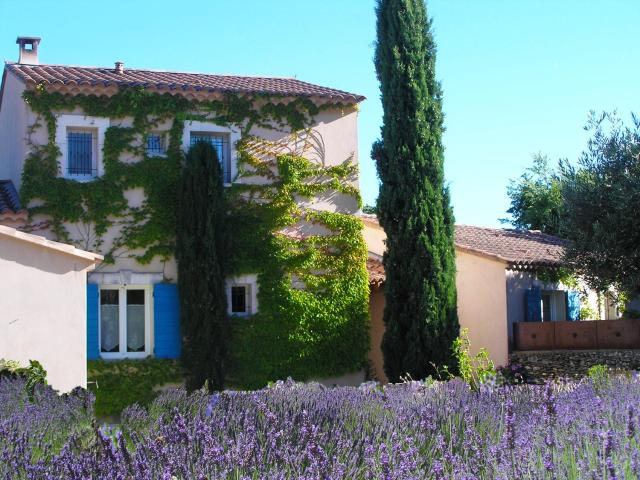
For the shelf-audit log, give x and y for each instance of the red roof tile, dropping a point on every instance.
(376, 271)
(175, 81)
(519, 248)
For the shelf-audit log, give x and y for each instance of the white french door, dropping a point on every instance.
(125, 325)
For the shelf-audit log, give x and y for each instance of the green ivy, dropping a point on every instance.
(118, 384)
(313, 291)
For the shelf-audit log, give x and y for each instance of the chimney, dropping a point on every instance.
(28, 50)
(119, 68)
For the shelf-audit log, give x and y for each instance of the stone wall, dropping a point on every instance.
(541, 365)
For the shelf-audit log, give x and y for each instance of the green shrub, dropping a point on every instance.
(474, 369)
(118, 384)
(35, 373)
(599, 375)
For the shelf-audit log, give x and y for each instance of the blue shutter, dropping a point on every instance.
(573, 305)
(533, 299)
(93, 348)
(166, 314)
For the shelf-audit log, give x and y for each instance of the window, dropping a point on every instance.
(242, 299)
(81, 152)
(223, 138)
(156, 144)
(80, 139)
(220, 142)
(124, 322)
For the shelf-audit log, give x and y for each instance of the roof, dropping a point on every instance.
(519, 248)
(9, 199)
(174, 81)
(376, 271)
(56, 246)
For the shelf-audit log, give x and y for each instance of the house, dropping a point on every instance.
(503, 277)
(95, 153)
(43, 301)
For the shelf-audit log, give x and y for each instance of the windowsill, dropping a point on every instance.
(80, 178)
(157, 154)
(123, 356)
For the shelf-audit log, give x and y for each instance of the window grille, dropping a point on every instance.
(80, 153)
(156, 144)
(221, 144)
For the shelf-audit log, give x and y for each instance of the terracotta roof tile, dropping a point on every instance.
(176, 81)
(519, 248)
(376, 271)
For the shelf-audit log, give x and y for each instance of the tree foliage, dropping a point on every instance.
(201, 253)
(593, 204)
(602, 204)
(536, 198)
(420, 313)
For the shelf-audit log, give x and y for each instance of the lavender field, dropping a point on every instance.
(409, 431)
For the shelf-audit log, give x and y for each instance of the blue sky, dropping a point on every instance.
(518, 76)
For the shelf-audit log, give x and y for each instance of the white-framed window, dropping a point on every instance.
(156, 144)
(242, 295)
(222, 138)
(80, 139)
(125, 321)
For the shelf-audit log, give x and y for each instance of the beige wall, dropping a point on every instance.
(482, 304)
(13, 128)
(334, 141)
(376, 311)
(43, 310)
(482, 301)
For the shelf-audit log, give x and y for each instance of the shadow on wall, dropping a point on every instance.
(38, 257)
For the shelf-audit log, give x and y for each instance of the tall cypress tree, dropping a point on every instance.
(201, 253)
(420, 313)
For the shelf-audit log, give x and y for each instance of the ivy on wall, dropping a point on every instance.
(313, 289)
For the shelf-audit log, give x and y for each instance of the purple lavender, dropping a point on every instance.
(306, 431)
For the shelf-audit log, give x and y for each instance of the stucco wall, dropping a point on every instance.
(43, 310)
(376, 310)
(482, 304)
(13, 128)
(334, 140)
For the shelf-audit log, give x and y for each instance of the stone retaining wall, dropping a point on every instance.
(542, 365)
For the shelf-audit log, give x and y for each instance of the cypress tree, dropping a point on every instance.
(201, 252)
(420, 313)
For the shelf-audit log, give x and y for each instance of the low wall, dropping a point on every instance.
(543, 365)
(585, 335)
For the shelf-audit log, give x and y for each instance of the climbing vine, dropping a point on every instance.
(313, 288)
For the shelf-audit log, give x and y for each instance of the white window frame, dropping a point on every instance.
(165, 136)
(66, 122)
(122, 304)
(208, 127)
(249, 281)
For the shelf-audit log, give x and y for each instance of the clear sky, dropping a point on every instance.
(518, 76)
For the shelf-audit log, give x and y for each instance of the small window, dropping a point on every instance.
(81, 152)
(240, 299)
(220, 142)
(156, 144)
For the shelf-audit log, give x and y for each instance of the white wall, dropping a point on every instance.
(13, 128)
(43, 310)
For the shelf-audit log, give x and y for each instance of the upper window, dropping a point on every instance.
(80, 139)
(240, 298)
(220, 142)
(81, 152)
(156, 144)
